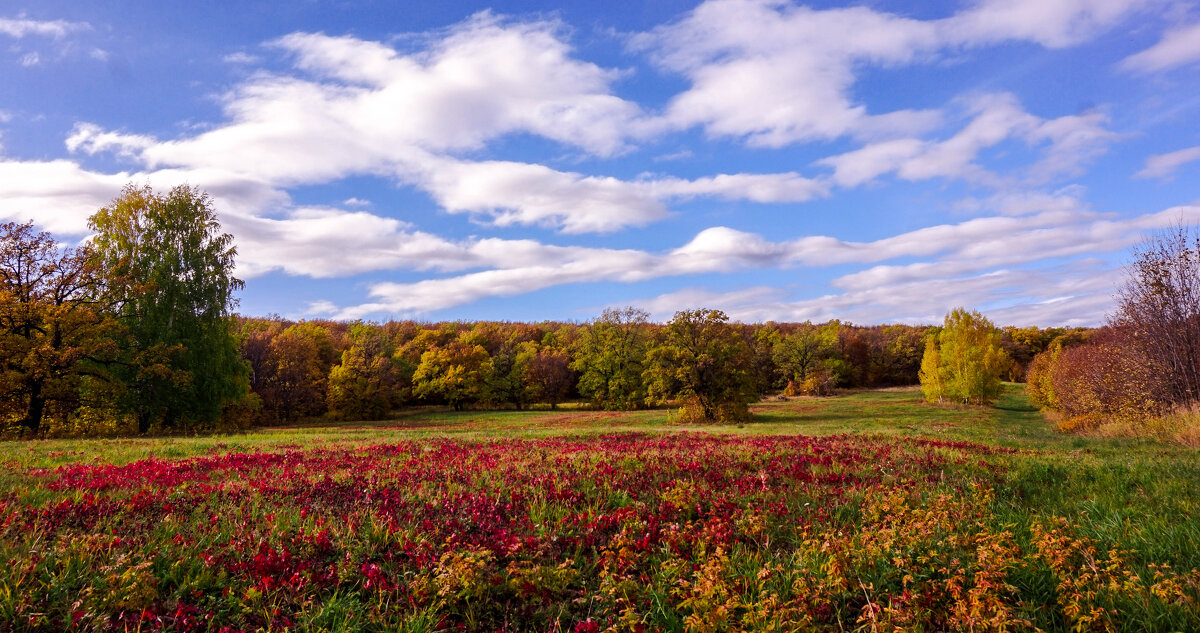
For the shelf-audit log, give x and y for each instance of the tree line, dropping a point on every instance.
(700, 360)
(620, 360)
(135, 330)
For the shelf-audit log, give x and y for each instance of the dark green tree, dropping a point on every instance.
(172, 268)
(610, 357)
(704, 359)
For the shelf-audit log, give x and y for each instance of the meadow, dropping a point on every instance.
(870, 511)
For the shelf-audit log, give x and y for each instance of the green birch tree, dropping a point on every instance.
(964, 361)
(172, 269)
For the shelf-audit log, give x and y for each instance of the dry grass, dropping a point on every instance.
(1181, 428)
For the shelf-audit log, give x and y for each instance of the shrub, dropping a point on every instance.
(1106, 379)
(1039, 385)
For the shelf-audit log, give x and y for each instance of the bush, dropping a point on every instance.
(1039, 385)
(88, 421)
(727, 413)
(1108, 380)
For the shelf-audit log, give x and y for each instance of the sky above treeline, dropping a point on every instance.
(876, 162)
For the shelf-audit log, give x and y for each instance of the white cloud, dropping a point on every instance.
(29, 60)
(91, 139)
(1178, 47)
(241, 58)
(22, 26)
(323, 243)
(773, 73)
(506, 193)
(1050, 23)
(981, 249)
(765, 188)
(1067, 200)
(1066, 142)
(59, 195)
(1164, 165)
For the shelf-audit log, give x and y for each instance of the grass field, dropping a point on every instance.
(868, 511)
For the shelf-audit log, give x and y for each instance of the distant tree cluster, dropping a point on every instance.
(1145, 362)
(700, 360)
(967, 357)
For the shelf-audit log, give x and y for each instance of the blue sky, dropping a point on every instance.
(874, 162)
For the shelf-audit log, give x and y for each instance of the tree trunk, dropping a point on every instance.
(144, 420)
(37, 408)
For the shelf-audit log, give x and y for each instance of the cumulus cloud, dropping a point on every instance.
(361, 107)
(1179, 47)
(326, 242)
(773, 73)
(508, 193)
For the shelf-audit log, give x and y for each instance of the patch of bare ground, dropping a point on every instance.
(576, 418)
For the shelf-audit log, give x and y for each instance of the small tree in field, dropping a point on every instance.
(704, 359)
(964, 361)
